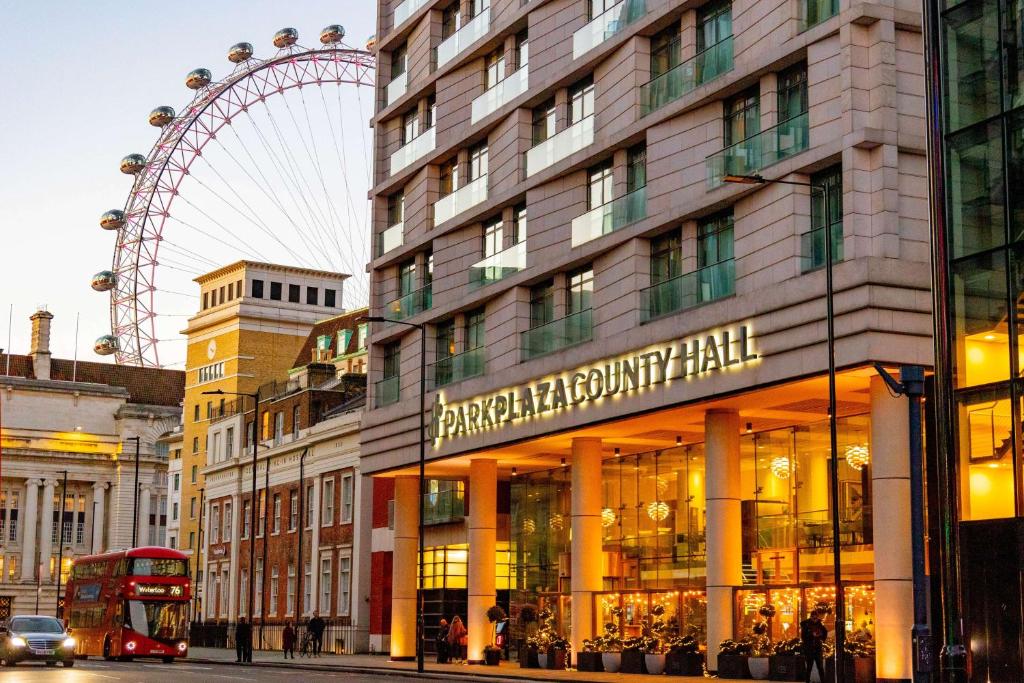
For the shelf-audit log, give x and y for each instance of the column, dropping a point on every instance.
(29, 531)
(145, 493)
(894, 569)
(404, 569)
(314, 544)
(236, 570)
(98, 504)
(587, 555)
(724, 525)
(483, 536)
(45, 529)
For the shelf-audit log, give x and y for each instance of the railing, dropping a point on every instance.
(396, 88)
(386, 391)
(607, 24)
(391, 238)
(813, 12)
(337, 638)
(575, 328)
(414, 149)
(609, 217)
(458, 367)
(498, 266)
(499, 94)
(560, 145)
(686, 77)
(812, 247)
(405, 10)
(444, 507)
(759, 151)
(462, 199)
(812, 529)
(685, 291)
(464, 37)
(411, 304)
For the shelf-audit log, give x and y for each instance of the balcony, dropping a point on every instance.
(813, 12)
(605, 25)
(467, 35)
(386, 391)
(405, 10)
(686, 77)
(498, 267)
(410, 304)
(686, 291)
(417, 148)
(458, 367)
(445, 506)
(500, 94)
(560, 145)
(759, 151)
(610, 216)
(392, 238)
(396, 88)
(464, 198)
(573, 329)
(812, 247)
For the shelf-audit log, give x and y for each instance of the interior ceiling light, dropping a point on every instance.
(658, 510)
(607, 517)
(780, 466)
(857, 456)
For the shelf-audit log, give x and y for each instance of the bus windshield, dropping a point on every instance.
(159, 620)
(145, 566)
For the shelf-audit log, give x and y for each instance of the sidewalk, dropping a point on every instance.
(379, 664)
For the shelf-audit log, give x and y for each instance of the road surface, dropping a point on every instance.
(98, 671)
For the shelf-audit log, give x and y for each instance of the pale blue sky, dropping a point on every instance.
(80, 78)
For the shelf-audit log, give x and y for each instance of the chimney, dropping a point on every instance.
(40, 350)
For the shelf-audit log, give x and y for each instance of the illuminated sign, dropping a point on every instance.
(627, 374)
(159, 589)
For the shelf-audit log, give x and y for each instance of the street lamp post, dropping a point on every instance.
(135, 505)
(423, 472)
(300, 569)
(839, 608)
(60, 540)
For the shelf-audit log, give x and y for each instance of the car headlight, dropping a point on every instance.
(18, 641)
(69, 643)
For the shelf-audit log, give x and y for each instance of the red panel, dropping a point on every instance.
(383, 492)
(380, 593)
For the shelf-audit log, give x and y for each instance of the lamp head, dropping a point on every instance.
(745, 179)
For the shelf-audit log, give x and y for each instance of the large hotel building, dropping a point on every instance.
(626, 366)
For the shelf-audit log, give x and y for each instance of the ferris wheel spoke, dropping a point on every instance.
(234, 245)
(338, 144)
(187, 253)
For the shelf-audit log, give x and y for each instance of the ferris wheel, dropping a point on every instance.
(269, 163)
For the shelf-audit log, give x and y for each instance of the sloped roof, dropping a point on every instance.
(330, 327)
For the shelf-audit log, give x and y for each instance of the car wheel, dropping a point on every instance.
(51, 663)
(68, 663)
(168, 660)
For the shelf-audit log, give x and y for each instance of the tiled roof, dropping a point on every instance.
(148, 386)
(330, 327)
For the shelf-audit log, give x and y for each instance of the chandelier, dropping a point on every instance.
(857, 456)
(658, 510)
(661, 485)
(780, 466)
(607, 517)
(557, 521)
(529, 526)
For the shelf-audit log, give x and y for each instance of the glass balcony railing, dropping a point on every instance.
(458, 367)
(416, 148)
(607, 24)
(812, 247)
(609, 217)
(392, 238)
(499, 266)
(812, 529)
(759, 151)
(444, 507)
(386, 391)
(405, 10)
(500, 94)
(813, 12)
(685, 291)
(462, 199)
(396, 88)
(686, 77)
(560, 145)
(464, 37)
(411, 304)
(574, 328)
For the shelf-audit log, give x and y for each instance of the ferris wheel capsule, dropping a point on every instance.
(198, 78)
(161, 116)
(103, 281)
(371, 43)
(132, 164)
(286, 37)
(239, 52)
(332, 34)
(112, 220)
(106, 345)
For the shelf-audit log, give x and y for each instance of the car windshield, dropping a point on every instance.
(36, 625)
(159, 620)
(144, 566)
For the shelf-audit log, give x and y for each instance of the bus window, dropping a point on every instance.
(161, 620)
(144, 566)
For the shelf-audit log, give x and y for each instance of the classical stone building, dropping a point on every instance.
(80, 418)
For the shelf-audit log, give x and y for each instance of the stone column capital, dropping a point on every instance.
(101, 485)
(33, 483)
(49, 483)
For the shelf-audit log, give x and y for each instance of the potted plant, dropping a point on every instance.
(492, 653)
(786, 662)
(683, 657)
(760, 649)
(858, 662)
(653, 641)
(633, 656)
(589, 659)
(732, 658)
(528, 649)
(551, 647)
(611, 645)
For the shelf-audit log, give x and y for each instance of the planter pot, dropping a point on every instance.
(733, 666)
(611, 661)
(759, 668)
(528, 658)
(632, 662)
(542, 660)
(492, 657)
(856, 669)
(787, 668)
(655, 664)
(589, 661)
(684, 664)
(554, 659)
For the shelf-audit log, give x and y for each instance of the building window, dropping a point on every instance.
(344, 585)
(258, 587)
(312, 296)
(450, 17)
(172, 542)
(444, 502)
(195, 472)
(290, 602)
(293, 511)
(396, 208)
(246, 518)
(195, 447)
(449, 177)
(330, 298)
(210, 373)
(666, 257)
(177, 481)
(243, 592)
(192, 509)
(294, 294)
(191, 540)
(347, 498)
(231, 291)
(309, 502)
(229, 442)
(325, 585)
(257, 289)
(406, 278)
(278, 428)
(636, 168)
(494, 68)
(206, 300)
(444, 340)
(274, 580)
(581, 100)
(277, 513)
(522, 50)
(410, 126)
(599, 185)
(742, 116)
(275, 291)
(792, 92)
(477, 162)
(261, 514)
(824, 219)
(665, 53)
(542, 304)
(215, 524)
(399, 59)
(209, 410)
(174, 511)
(327, 518)
(579, 290)
(475, 329)
(195, 414)
(361, 336)
(226, 527)
(295, 422)
(215, 451)
(544, 121)
(307, 587)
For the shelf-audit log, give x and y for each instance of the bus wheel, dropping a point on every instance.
(125, 658)
(168, 660)
(106, 649)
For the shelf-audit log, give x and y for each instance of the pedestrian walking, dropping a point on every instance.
(812, 640)
(443, 651)
(288, 640)
(243, 641)
(316, 628)
(457, 639)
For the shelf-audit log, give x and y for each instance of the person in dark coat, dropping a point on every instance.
(316, 628)
(243, 641)
(288, 640)
(812, 640)
(443, 651)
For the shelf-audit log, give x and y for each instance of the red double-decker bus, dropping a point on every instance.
(130, 603)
